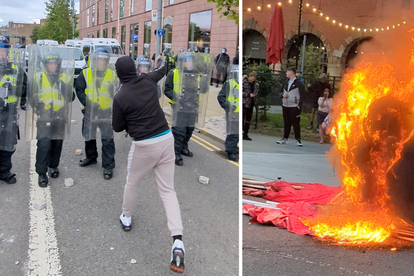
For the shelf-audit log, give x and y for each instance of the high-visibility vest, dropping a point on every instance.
(12, 80)
(232, 99)
(177, 84)
(99, 95)
(50, 95)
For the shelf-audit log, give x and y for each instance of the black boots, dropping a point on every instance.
(178, 160)
(54, 172)
(107, 173)
(8, 177)
(43, 181)
(186, 152)
(86, 162)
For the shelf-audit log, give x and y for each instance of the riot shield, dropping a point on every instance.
(9, 78)
(101, 85)
(190, 102)
(232, 109)
(220, 69)
(50, 86)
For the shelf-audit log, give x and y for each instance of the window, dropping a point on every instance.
(123, 36)
(114, 32)
(112, 8)
(121, 9)
(93, 15)
(199, 31)
(97, 14)
(98, 33)
(147, 38)
(148, 5)
(132, 8)
(105, 33)
(93, 35)
(167, 37)
(171, 2)
(106, 11)
(133, 46)
(87, 18)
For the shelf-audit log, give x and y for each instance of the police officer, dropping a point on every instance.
(185, 105)
(228, 99)
(9, 129)
(95, 89)
(53, 87)
(143, 64)
(222, 61)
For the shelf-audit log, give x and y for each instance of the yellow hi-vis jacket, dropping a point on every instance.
(100, 95)
(12, 80)
(233, 100)
(50, 95)
(177, 84)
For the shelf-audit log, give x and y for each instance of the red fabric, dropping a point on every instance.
(294, 204)
(276, 42)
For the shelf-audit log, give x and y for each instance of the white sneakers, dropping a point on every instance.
(283, 141)
(298, 143)
(126, 222)
(177, 256)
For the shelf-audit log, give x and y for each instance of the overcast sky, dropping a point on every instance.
(24, 11)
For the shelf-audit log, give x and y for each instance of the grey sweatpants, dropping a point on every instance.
(159, 156)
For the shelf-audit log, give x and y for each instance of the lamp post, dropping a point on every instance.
(297, 40)
(73, 18)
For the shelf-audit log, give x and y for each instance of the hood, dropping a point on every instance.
(125, 69)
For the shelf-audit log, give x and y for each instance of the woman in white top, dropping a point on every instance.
(324, 109)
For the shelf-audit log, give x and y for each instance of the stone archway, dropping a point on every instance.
(254, 46)
(351, 51)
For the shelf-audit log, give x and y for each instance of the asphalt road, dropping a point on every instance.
(90, 240)
(268, 250)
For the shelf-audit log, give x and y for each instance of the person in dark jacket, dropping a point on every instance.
(222, 61)
(293, 91)
(250, 92)
(315, 91)
(136, 109)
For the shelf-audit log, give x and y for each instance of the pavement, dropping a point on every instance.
(269, 250)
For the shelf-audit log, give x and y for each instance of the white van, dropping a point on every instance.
(73, 43)
(89, 45)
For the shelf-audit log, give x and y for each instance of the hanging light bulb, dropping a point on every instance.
(249, 9)
(346, 26)
(327, 18)
(334, 21)
(314, 9)
(321, 14)
(340, 24)
(404, 22)
(377, 29)
(365, 30)
(280, 4)
(269, 6)
(359, 29)
(259, 8)
(307, 5)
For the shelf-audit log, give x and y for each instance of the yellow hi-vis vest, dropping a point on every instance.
(12, 80)
(233, 100)
(177, 84)
(50, 95)
(100, 95)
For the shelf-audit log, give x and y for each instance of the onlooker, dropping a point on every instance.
(324, 109)
(136, 109)
(315, 91)
(293, 91)
(250, 91)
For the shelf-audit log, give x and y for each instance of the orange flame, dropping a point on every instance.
(373, 119)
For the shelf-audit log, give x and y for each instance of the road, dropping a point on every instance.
(79, 233)
(268, 250)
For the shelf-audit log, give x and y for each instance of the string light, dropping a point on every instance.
(334, 22)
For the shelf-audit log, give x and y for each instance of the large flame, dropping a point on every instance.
(373, 119)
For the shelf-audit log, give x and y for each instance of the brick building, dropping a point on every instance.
(186, 23)
(339, 42)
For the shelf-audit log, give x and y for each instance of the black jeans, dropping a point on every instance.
(181, 137)
(231, 144)
(247, 117)
(291, 116)
(108, 152)
(48, 154)
(5, 161)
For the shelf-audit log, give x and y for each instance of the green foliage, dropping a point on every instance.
(194, 32)
(58, 25)
(35, 34)
(313, 57)
(228, 8)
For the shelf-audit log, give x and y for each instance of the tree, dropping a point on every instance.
(231, 8)
(35, 34)
(313, 61)
(58, 25)
(194, 32)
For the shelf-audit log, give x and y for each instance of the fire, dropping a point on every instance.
(373, 119)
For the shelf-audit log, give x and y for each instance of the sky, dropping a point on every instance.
(24, 11)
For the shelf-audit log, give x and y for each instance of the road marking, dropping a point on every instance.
(201, 142)
(43, 249)
(204, 146)
(204, 141)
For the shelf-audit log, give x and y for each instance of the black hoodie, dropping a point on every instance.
(135, 107)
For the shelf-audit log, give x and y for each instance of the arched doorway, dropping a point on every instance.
(254, 46)
(351, 51)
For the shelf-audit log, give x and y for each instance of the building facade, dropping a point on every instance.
(187, 23)
(337, 26)
(19, 33)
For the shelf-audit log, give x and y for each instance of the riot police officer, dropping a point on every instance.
(222, 61)
(143, 64)
(184, 87)
(95, 89)
(51, 94)
(9, 129)
(228, 99)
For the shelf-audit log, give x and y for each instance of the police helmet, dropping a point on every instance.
(206, 50)
(4, 43)
(52, 58)
(102, 53)
(234, 73)
(143, 61)
(196, 49)
(223, 50)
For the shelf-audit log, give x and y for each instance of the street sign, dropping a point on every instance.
(160, 32)
(154, 15)
(134, 37)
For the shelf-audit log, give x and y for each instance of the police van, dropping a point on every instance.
(89, 45)
(47, 42)
(73, 43)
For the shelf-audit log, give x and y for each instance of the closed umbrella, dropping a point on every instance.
(276, 42)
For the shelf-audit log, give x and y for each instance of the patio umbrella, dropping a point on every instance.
(276, 42)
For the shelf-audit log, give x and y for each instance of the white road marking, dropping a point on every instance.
(43, 249)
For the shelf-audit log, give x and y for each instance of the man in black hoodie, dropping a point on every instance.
(136, 109)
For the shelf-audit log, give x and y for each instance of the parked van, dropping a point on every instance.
(89, 45)
(47, 42)
(73, 43)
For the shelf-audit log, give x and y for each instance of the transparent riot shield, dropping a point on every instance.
(193, 82)
(220, 69)
(9, 79)
(50, 92)
(232, 109)
(101, 86)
